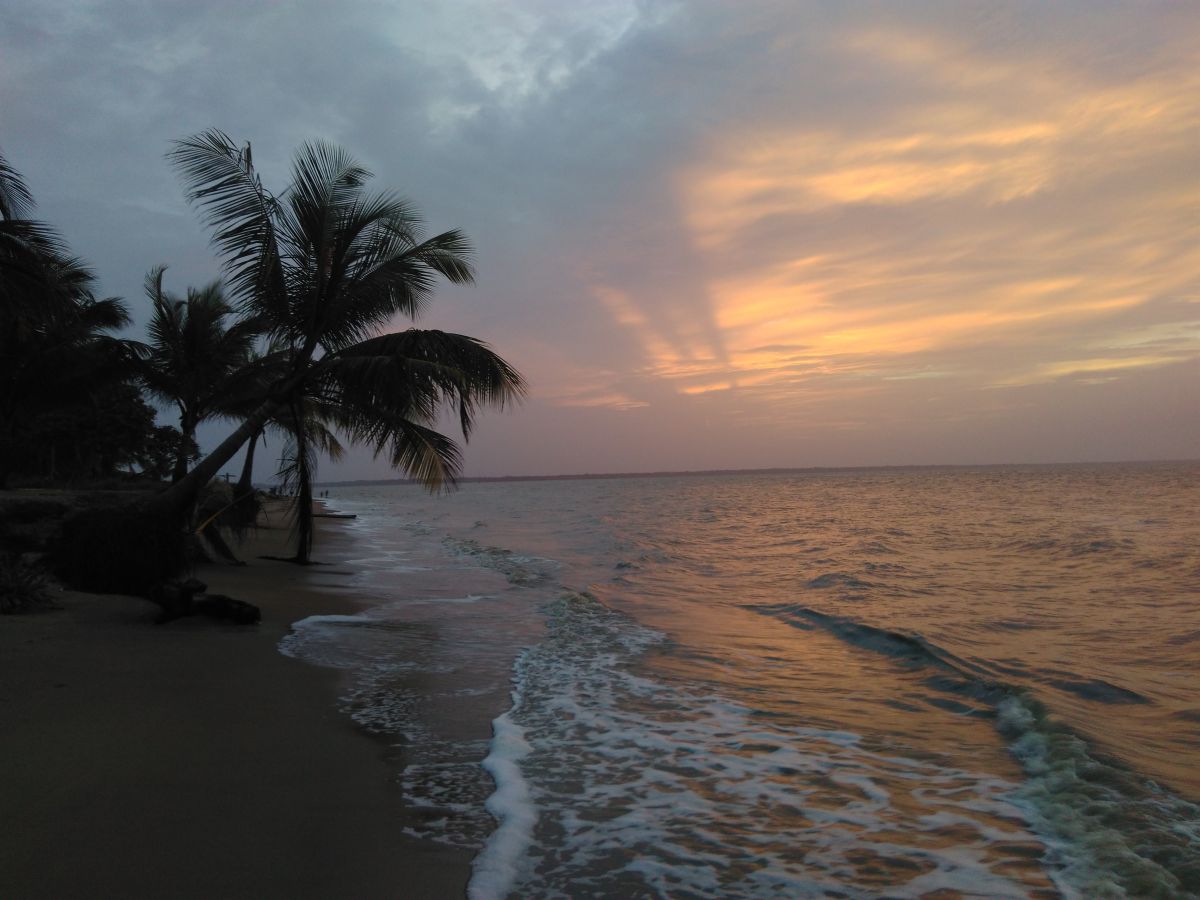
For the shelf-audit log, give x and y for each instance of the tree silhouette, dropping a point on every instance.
(322, 269)
(57, 356)
(195, 357)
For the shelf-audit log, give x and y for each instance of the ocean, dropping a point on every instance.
(848, 683)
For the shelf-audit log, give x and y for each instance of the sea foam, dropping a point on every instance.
(496, 868)
(612, 782)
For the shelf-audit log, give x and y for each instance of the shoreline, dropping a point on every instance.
(193, 759)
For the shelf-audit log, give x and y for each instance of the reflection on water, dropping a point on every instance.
(902, 681)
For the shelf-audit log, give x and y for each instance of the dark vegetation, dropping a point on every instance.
(22, 586)
(123, 549)
(294, 342)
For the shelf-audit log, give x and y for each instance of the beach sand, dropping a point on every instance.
(192, 759)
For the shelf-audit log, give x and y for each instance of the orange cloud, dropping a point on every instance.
(980, 276)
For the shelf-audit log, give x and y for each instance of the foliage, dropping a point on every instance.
(159, 451)
(91, 437)
(58, 363)
(37, 276)
(22, 587)
(197, 357)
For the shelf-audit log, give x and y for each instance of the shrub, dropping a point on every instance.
(22, 587)
(121, 550)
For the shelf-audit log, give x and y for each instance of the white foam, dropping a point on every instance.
(1086, 811)
(310, 621)
(462, 641)
(496, 869)
(607, 778)
(313, 630)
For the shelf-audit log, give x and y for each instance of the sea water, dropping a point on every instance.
(980, 681)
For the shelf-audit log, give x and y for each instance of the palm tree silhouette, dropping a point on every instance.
(196, 356)
(322, 269)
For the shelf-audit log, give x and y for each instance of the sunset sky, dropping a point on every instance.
(711, 234)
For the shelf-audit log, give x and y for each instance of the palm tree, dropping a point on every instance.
(322, 268)
(195, 358)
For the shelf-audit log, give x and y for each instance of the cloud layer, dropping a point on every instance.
(713, 235)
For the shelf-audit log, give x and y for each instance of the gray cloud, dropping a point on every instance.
(591, 151)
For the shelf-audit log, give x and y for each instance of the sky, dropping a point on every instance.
(710, 234)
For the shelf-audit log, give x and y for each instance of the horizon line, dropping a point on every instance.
(769, 470)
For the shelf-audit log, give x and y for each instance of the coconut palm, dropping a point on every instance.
(323, 268)
(195, 357)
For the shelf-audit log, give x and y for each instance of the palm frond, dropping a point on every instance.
(16, 202)
(455, 366)
(197, 360)
(390, 391)
(107, 314)
(37, 276)
(423, 453)
(393, 279)
(324, 177)
(221, 180)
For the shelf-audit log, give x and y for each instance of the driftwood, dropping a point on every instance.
(188, 598)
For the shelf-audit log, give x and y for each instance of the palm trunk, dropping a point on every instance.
(304, 497)
(187, 434)
(304, 522)
(245, 483)
(243, 511)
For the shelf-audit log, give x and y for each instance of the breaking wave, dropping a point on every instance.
(1110, 831)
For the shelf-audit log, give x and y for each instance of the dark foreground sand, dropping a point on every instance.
(193, 760)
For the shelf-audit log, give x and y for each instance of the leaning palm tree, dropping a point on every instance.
(323, 268)
(195, 357)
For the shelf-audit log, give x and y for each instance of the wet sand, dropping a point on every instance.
(191, 759)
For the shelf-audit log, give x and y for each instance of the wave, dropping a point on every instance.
(905, 648)
(1077, 546)
(839, 580)
(1110, 832)
(390, 663)
(582, 629)
(523, 571)
(1097, 690)
(612, 780)
(497, 866)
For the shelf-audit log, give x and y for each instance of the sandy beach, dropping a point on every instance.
(192, 759)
